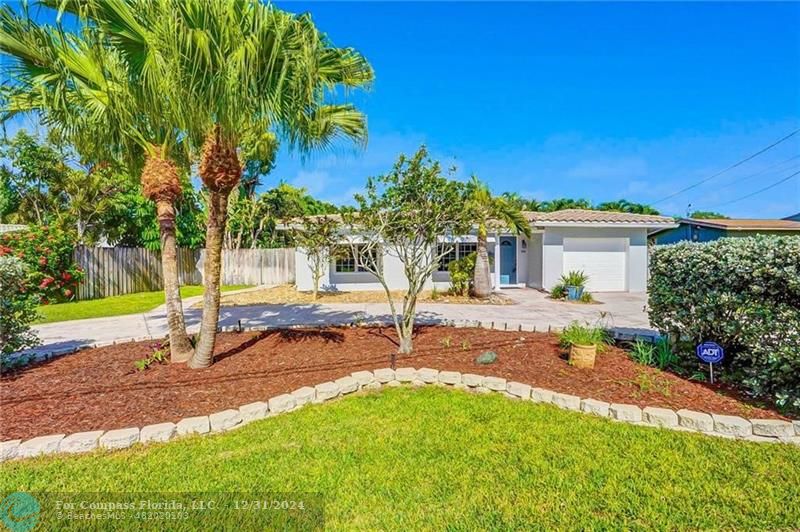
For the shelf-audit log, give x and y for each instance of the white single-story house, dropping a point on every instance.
(8, 228)
(610, 247)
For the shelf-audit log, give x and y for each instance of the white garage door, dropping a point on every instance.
(602, 259)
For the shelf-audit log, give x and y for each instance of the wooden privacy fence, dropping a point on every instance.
(118, 271)
(256, 266)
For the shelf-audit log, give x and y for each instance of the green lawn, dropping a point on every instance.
(116, 305)
(433, 458)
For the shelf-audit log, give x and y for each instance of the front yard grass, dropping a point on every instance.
(431, 458)
(115, 305)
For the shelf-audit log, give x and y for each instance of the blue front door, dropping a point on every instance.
(508, 260)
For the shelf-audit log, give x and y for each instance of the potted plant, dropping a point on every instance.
(583, 342)
(574, 282)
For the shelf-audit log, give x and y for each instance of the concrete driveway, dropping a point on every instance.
(624, 312)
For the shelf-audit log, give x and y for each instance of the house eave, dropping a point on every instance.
(626, 225)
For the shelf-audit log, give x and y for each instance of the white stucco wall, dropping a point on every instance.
(352, 281)
(553, 252)
(523, 250)
(535, 261)
(541, 266)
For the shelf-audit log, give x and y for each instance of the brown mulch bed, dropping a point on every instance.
(101, 389)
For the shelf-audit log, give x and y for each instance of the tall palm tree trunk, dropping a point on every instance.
(180, 347)
(212, 271)
(221, 172)
(482, 281)
(161, 183)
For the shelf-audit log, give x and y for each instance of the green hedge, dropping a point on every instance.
(743, 293)
(17, 309)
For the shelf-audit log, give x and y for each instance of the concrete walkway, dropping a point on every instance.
(625, 312)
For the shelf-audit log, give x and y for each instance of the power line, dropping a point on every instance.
(760, 172)
(773, 185)
(690, 187)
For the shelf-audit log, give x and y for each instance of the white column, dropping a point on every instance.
(497, 261)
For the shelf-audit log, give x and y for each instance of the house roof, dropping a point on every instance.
(566, 217)
(585, 216)
(745, 224)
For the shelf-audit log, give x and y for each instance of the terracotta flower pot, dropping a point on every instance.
(582, 356)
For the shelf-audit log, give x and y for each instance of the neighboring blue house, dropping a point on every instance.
(695, 230)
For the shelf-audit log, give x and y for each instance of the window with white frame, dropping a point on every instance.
(453, 252)
(346, 262)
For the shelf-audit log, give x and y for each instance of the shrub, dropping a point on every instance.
(743, 293)
(643, 352)
(658, 354)
(461, 273)
(559, 291)
(17, 309)
(664, 355)
(574, 278)
(578, 334)
(53, 275)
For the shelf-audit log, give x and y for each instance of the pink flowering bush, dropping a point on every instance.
(53, 274)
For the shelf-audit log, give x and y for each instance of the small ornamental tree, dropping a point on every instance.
(53, 274)
(318, 237)
(17, 308)
(405, 214)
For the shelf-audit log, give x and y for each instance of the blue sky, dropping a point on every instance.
(594, 100)
(576, 99)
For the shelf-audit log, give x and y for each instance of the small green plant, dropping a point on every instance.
(574, 278)
(434, 294)
(559, 291)
(586, 297)
(465, 345)
(577, 334)
(658, 354)
(648, 382)
(698, 376)
(359, 321)
(158, 356)
(446, 342)
(643, 352)
(664, 355)
(461, 274)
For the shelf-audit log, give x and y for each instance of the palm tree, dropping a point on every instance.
(561, 204)
(83, 88)
(240, 68)
(516, 200)
(626, 206)
(490, 212)
(284, 92)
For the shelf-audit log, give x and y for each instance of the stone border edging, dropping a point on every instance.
(732, 427)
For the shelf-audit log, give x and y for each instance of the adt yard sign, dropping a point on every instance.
(712, 353)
